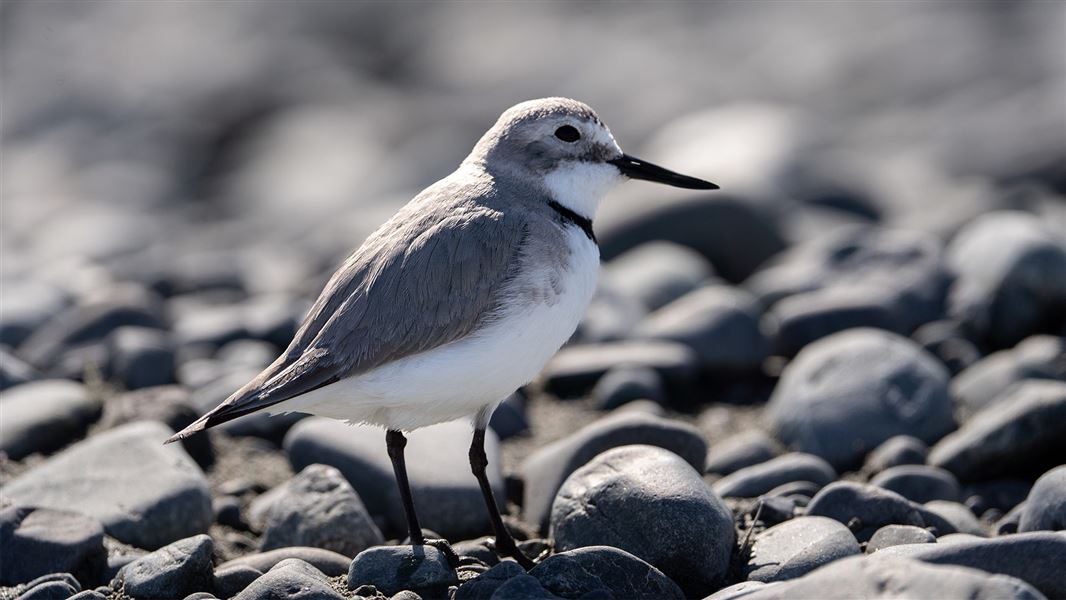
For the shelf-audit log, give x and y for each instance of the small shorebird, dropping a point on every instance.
(462, 296)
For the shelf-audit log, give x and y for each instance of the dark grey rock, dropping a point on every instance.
(574, 370)
(847, 393)
(1010, 276)
(509, 418)
(1009, 522)
(168, 404)
(859, 276)
(38, 541)
(326, 561)
(290, 579)
(446, 494)
(610, 316)
(145, 494)
(316, 508)
(894, 452)
(88, 595)
(920, 483)
(733, 234)
(657, 273)
(1024, 430)
(421, 569)
(719, 322)
(213, 325)
(27, 305)
(624, 384)
(796, 547)
(867, 508)
(481, 549)
(1035, 558)
(759, 479)
(736, 591)
(177, 569)
(898, 535)
(1037, 357)
(883, 577)
(50, 590)
(796, 490)
(772, 510)
(946, 341)
(996, 495)
(1045, 508)
(651, 503)
(546, 469)
(247, 354)
(90, 322)
(42, 416)
(201, 596)
(228, 512)
(741, 450)
(14, 371)
(231, 581)
(140, 357)
(574, 573)
(405, 595)
(958, 515)
(522, 587)
(485, 585)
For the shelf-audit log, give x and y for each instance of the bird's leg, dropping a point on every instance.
(505, 544)
(396, 442)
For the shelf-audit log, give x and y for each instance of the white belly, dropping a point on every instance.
(460, 378)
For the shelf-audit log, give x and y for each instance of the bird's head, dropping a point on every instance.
(562, 145)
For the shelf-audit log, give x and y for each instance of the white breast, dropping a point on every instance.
(460, 378)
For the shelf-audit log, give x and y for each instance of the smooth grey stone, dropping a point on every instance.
(960, 517)
(88, 595)
(1045, 508)
(1035, 558)
(326, 561)
(796, 489)
(316, 508)
(14, 371)
(405, 595)
(478, 549)
(985, 382)
(145, 493)
(213, 325)
(522, 587)
(545, 469)
(949, 343)
(920, 483)
(1010, 522)
(170, 404)
(760, 479)
(732, 233)
(866, 508)
(391, 569)
(42, 416)
(231, 581)
(228, 512)
(651, 503)
(247, 354)
(897, 535)
(177, 569)
(485, 585)
(1025, 431)
(28, 304)
(509, 417)
(896, 451)
(51, 590)
(847, 393)
(720, 323)
(201, 596)
(446, 493)
(736, 591)
(38, 541)
(91, 321)
(657, 273)
(290, 579)
(574, 370)
(996, 495)
(741, 450)
(1010, 276)
(140, 357)
(624, 384)
(610, 316)
(772, 510)
(796, 547)
(884, 577)
(856, 276)
(574, 573)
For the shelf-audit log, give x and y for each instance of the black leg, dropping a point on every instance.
(505, 544)
(395, 442)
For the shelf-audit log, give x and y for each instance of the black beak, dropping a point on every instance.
(638, 169)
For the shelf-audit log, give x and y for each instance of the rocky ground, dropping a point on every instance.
(842, 376)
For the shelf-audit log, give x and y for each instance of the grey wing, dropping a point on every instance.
(411, 287)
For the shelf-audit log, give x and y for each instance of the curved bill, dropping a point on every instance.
(638, 169)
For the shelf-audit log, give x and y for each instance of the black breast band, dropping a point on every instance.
(570, 216)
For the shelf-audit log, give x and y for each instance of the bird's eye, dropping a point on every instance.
(568, 133)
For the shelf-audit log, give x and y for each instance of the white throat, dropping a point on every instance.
(580, 186)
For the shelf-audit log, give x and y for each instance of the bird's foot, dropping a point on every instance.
(446, 549)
